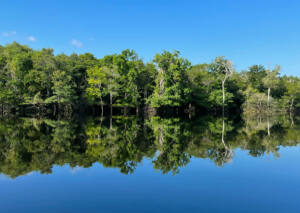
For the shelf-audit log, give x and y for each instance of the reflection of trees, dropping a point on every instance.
(264, 135)
(171, 138)
(122, 142)
(178, 140)
(32, 145)
(213, 139)
(123, 145)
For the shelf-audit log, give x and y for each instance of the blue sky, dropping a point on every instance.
(245, 31)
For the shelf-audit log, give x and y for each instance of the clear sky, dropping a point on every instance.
(245, 31)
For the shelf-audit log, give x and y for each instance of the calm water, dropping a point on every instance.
(126, 164)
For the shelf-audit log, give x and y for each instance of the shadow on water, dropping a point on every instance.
(30, 144)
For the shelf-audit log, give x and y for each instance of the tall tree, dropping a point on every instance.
(15, 65)
(37, 79)
(96, 85)
(112, 82)
(201, 84)
(256, 75)
(223, 69)
(172, 84)
(271, 80)
(63, 92)
(293, 89)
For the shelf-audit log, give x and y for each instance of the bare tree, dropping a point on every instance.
(228, 71)
(224, 70)
(271, 81)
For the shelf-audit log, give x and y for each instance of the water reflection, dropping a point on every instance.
(28, 145)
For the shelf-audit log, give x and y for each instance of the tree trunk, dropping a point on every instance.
(101, 106)
(110, 97)
(110, 122)
(190, 110)
(292, 105)
(54, 113)
(161, 83)
(99, 133)
(223, 91)
(102, 109)
(292, 119)
(269, 91)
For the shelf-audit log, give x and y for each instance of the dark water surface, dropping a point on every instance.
(127, 164)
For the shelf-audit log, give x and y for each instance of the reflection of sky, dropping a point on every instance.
(75, 170)
(248, 184)
(5, 177)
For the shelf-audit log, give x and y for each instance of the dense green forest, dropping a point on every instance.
(41, 80)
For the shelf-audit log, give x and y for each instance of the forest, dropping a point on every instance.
(41, 81)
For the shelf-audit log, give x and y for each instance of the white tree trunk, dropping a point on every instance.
(292, 105)
(269, 91)
(223, 91)
(110, 97)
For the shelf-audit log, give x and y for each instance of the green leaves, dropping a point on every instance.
(172, 83)
(271, 80)
(62, 87)
(38, 77)
(216, 99)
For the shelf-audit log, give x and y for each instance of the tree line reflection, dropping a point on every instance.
(28, 144)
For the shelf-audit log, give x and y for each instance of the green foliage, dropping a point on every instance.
(42, 79)
(62, 88)
(216, 98)
(271, 79)
(201, 84)
(96, 84)
(255, 75)
(172, 81)
(221, 67)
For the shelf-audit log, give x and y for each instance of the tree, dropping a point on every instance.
(201, 84)
(37, 79)
(76, 66)
(172, 84)
(112, 83)
(256, 74)
(146, 80)
(63, 92)
(123, 72)
(223, 69)
(292, 85)
(271, 80)
(15, 62)
(96, 85)
(102, 81)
